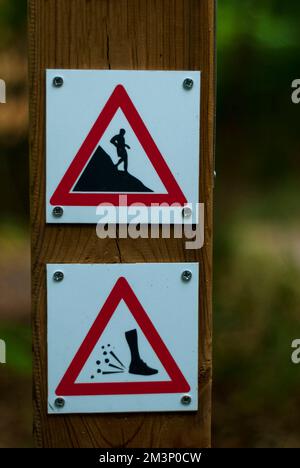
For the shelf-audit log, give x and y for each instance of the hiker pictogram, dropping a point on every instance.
(102, 175)
(119, 142)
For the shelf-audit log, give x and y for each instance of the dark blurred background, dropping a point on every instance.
(15, 377)
(256, 398)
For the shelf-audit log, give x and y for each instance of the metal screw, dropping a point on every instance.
(59, 402)
(186, 400)
(58, 81)
(188, 83)
(187, 212)
(58, 212)
(58, 276)
(187, 276)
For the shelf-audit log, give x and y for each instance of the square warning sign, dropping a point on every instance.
(119, 139)
(127, 339)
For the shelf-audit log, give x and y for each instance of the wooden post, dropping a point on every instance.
(118, 34)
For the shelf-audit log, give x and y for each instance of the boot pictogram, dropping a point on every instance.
(137, 365)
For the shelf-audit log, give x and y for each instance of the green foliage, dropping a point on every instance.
(267, 24)
(257, 261)
(256, 317)
(12, 21)
(18, 347)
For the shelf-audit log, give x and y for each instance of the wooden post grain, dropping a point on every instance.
(118, 34)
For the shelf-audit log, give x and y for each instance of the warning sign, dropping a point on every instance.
(93, 177)
(131, 350)
(114, 134)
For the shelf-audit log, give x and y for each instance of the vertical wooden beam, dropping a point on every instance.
(118, 34)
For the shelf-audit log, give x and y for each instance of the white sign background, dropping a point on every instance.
(170, 303)
(170, 113)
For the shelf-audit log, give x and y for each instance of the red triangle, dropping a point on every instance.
(122, 290)
(119, 99)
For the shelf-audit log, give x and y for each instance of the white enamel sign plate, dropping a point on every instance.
(122, 338)
(120, 139)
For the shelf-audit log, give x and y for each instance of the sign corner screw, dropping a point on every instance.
(188, 84)
(58, 212)
(58, 276)
(187, 212)
(59, 402)
(58, 81)
(187, 276)
(186, 400)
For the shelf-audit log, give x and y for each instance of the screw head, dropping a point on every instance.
(187, 212)
(186, 400)
(59, 403)
(187, 276)
(58, 81)
(58, 212)
(188, 84)
(58, 276)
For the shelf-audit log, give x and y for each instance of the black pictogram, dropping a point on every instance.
(102, 175)
(119, 142)
(137, 365)
(114, 365)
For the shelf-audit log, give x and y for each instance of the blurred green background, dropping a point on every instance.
(256, 398)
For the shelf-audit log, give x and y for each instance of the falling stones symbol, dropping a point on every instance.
(137, 365)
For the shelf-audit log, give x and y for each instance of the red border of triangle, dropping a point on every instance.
(119, 99)
(122, 290)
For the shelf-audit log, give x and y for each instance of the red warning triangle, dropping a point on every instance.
(119, 99)
(122, 291)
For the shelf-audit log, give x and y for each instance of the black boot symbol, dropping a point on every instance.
(137, 366)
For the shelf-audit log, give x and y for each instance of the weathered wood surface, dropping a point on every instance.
(118, 34)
